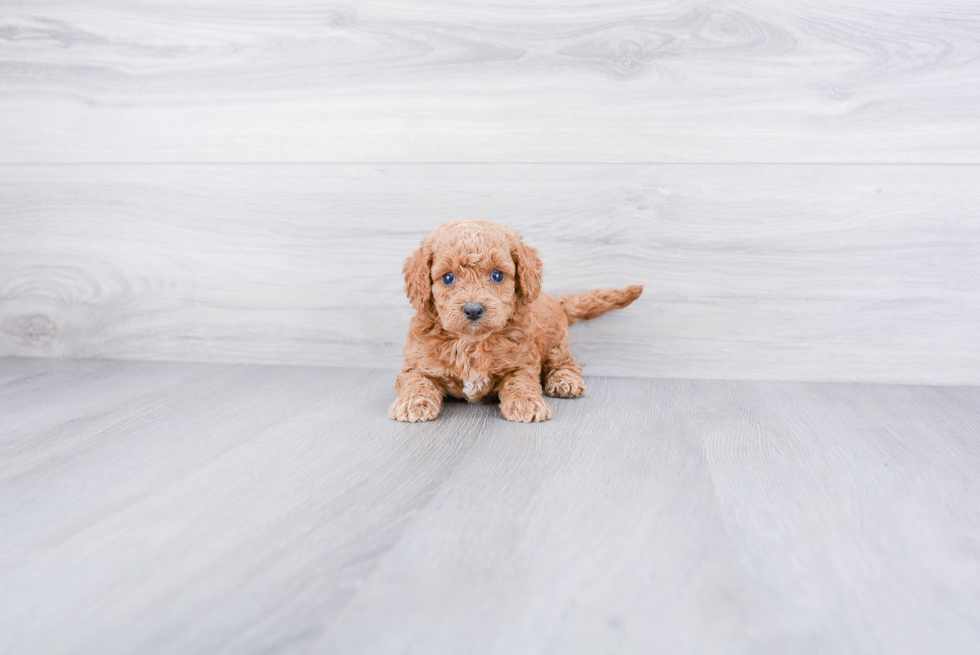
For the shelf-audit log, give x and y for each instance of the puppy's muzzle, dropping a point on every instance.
(473, 311)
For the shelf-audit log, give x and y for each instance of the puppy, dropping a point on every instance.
(484, 330)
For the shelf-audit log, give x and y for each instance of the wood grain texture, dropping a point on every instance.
(211, 509)
(860, 273)
(575, 80)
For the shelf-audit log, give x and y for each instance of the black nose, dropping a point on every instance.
(473, 310)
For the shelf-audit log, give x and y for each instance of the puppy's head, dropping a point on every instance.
(473, 276)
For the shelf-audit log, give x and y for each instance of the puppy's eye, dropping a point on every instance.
(448, 279)
(497, 276)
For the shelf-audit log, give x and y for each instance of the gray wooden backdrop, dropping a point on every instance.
(796, 184)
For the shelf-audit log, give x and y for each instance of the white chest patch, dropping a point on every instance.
(474, 388)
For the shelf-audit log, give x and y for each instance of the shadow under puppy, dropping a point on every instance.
(483, 329)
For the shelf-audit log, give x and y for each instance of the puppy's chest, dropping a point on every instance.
(476, 389)
(470, 373)
(472, 383)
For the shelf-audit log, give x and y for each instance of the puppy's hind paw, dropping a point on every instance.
(562, 383)
(414, 409)
(530, 409)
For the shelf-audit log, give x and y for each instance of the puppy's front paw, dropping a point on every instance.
(414, 408)
(529, 409)
(562, 383)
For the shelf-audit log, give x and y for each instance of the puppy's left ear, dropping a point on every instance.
(529, 270)
(418, 280)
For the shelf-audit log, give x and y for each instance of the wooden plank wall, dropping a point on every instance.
(796, 184)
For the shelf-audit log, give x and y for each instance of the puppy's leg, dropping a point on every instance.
(520, 398)
(562, 376)
(419, 398)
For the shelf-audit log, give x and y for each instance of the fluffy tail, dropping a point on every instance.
(582, 306)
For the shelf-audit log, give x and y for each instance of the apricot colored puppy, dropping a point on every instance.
(484, 330)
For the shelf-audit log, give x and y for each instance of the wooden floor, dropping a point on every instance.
(204, 508)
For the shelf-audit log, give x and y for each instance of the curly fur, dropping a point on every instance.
(516, 350)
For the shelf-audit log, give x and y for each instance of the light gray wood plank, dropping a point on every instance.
(599, 531)
(218, 480)
(88, 389)
(693, 516)
(855, 506)
(861, 273)
(257, 509)
(15, 370)
(576, 80)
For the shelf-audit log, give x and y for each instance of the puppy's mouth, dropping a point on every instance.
(472, 327)
(475, 326)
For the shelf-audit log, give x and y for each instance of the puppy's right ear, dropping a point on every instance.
(418, 278)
